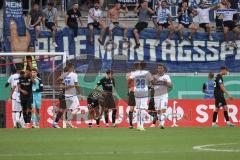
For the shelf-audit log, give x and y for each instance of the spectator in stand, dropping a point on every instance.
(35, 18)
(71, 19)
(51, 21)
(219, 17)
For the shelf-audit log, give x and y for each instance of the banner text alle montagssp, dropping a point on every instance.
(182, 113)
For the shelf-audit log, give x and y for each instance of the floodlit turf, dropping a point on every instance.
(115, 143)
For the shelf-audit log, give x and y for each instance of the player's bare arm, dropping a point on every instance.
(225, 91)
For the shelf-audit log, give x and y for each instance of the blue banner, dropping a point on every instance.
(201, 56)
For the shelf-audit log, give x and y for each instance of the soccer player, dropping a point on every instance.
(203, 15)
(95, 20)
(51, 21)
(108, 84)
(162, 86)
(164, 20)
(95, 102)
(144, 13)
(26, 97)
(220, 101)
(37, 88)
(142, 79)
(72, 91)
(185, 21)
(229, 25)
(15, 97)
(113, 15)
(131, 97)
(35, 19)
(62, 102)
(208, 87)
(71, 19)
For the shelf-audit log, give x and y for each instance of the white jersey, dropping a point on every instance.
(203, 15)
(161, 90)
(162, 15)
(70, 80)
(95, 13)
(228, 14)
(13, 81)
(142, 80)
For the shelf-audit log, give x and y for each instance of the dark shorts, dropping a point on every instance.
(62, 102)
(26, 103)
(229, 24)
(220, 101)
(204, 26)
(131, 99)
(186, 25)
(164, 25)
(141, 26)
(95, 25)
(50, 25)
(109, 102)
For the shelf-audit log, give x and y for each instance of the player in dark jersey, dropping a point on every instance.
(108, 84)
(95, 102)
(25, 87)
(220, 101)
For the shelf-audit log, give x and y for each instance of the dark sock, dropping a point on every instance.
(29, 117)
(106, 116)
(98, 121)
(215, 114)
(130, 118)
(58, 117)
(226, 115)
(25, 117)
(114, 112)
(154, 117)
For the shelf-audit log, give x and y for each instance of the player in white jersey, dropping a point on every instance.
(95, 20)
(15, 96)
(72, 90)
(162, 84)
(142, 79)
(203, 15)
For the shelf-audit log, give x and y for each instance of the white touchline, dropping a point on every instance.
(206, 148)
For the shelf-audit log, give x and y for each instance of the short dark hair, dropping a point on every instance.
(143, 64)
(34, 69)
(224, 68)
(50, 4)
(109, 71)
(211, 75)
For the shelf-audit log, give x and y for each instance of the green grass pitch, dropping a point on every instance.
(120, 143)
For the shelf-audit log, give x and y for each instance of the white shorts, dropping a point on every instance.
(141, 103)
(16, 106)
(160, 103)
(72, 102)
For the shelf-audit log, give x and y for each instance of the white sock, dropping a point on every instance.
(142, 118)
(18, 117)
(162, 119)
(138, 117)
(69, 116)
(14, 119)
(21, 119)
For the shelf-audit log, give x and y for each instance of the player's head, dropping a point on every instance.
(143, 65)
(202, 4)
(75, 5)
(224, 2)
(65, 69)
(144, 4)
(50, 5)
(210, 75)
(117, 5)
(70, 67)
(28, 72)
(109, 73)
(34, 72)
(224, 70)
(97, 5)
(161, 69)
(35, 7)
(164, 4)
(185, 5)
(22, 73)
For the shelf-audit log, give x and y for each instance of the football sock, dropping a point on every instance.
(130, 118)
(29, 117)
(106, 116)
(98, 121)
(58, 117)
(162, 119)
(226, 115)
(154, 118)
(14, 119)
(17, 116)
(25, 117)
(114, 112)
(215, 114)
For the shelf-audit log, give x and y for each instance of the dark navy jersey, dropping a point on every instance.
(218, 82)
(26, 85)
(107, 84)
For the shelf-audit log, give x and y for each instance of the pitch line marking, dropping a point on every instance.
(206, 148)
